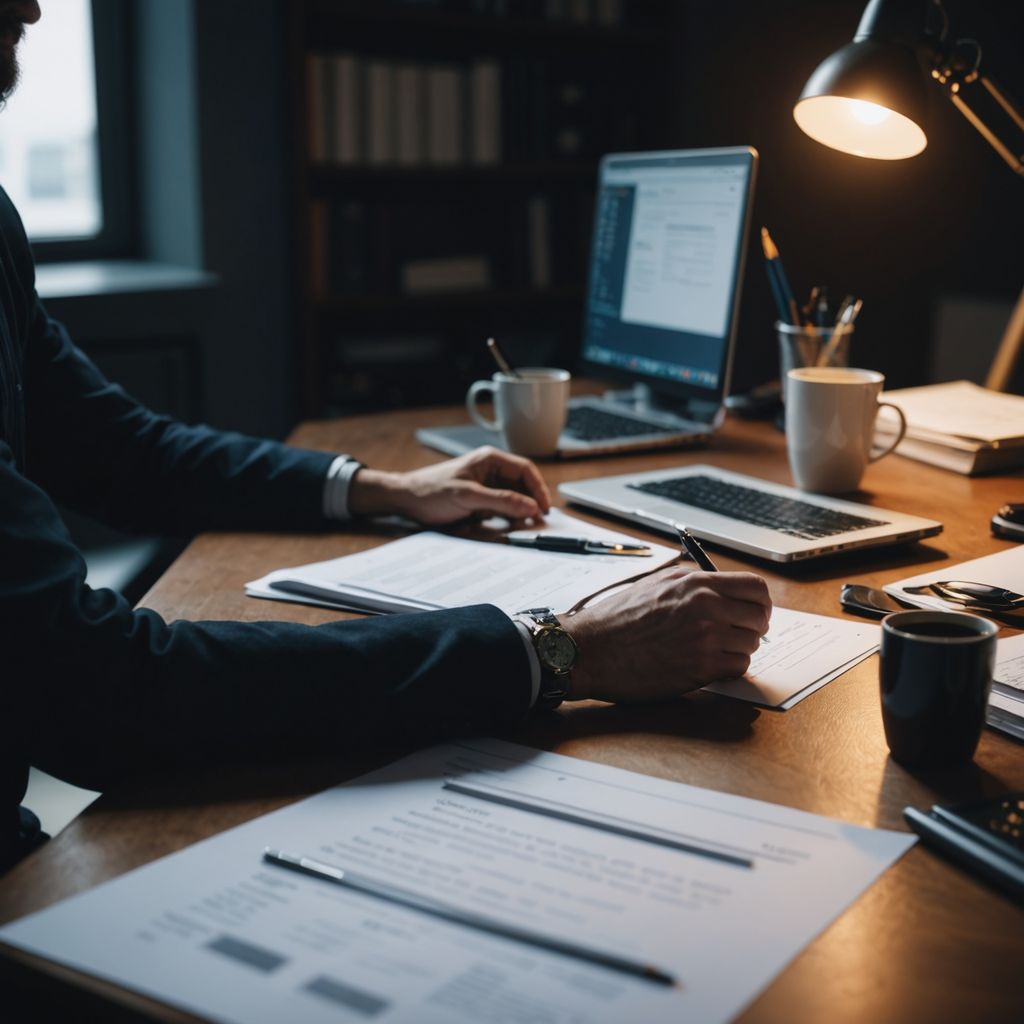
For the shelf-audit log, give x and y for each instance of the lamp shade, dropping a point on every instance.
(867, 99)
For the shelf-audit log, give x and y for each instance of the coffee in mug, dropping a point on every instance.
(530, 408)
(830, 426)
(935, 675)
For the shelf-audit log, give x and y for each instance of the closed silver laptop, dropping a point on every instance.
(751, 515)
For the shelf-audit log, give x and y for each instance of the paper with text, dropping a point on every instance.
(804, 651)
(214, 930)
(433, 570)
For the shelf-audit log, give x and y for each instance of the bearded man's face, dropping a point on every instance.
(14, 16)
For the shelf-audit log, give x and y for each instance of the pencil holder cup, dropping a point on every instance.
(800, 345)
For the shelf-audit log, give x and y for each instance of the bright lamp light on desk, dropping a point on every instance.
(869, 99)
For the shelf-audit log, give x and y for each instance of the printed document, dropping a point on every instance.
(803, 653)
(431, 570)
(717, 891)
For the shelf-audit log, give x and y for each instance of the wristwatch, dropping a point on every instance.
(556, 651)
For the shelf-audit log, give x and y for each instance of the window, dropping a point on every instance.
(49, 147)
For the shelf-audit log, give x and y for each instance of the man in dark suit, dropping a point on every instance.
(91, 689)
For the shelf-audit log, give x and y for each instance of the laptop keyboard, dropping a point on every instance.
(590, 424)
(749, 505)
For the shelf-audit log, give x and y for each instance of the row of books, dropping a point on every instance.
(375, 111)
(360, 248)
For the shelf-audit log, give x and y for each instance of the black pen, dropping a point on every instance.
(467, 918)
(699, 555)
(694, 550)
(576, 545)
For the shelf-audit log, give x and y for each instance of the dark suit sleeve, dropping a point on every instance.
(91, 689)
(97, 450)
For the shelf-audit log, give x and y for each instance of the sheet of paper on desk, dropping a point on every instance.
(434, 570)
(1006, 703)
(1003, 569)
(803, 653)
(217, 932)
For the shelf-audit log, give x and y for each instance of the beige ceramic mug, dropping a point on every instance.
(530, 409)
(830, 426)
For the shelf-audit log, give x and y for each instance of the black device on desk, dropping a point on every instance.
(1008, 522)
(985, 837)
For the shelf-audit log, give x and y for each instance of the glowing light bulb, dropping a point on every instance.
(868, 113)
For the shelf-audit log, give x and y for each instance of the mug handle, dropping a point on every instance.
(477, 388)
(899, 437)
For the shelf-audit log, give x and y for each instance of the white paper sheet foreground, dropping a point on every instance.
(804, 652)
(1003, 569)
(433, 570)
(214, 930)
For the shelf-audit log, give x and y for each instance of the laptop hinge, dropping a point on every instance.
(643, 401)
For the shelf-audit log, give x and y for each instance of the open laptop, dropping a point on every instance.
(761, 518)
(666, 263)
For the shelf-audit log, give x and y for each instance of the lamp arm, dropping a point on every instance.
(953, 71)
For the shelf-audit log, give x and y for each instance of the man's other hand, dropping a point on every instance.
(672, 632)
(481, 483)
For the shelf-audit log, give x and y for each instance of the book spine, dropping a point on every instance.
(410, 119)
(485, 112)
(347, 141)
(445, 115)
(318, 113)
(380, 113)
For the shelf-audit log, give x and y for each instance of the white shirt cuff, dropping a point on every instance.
(336, 486)
(534, 661)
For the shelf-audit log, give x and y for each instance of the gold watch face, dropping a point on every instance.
(556, 650)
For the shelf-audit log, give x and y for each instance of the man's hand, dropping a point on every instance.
(482, 482)
(674, 631)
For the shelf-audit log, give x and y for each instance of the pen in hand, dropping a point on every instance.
(692, 547)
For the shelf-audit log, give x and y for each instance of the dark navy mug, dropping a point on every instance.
(936, 676)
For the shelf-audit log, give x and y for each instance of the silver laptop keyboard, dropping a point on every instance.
(590, 424)
(749, 505)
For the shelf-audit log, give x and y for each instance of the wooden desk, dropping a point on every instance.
(926, 943)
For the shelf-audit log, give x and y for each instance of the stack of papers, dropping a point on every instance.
(429, 571)
(1006, 705)
(958, 426)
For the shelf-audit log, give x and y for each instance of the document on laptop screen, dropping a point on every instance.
(717, 892)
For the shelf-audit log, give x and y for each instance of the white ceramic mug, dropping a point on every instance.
(830, 426)
(529, 409)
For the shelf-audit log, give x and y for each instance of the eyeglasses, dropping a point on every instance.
(978, 595)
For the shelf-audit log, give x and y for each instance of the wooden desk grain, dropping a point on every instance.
(926, 943)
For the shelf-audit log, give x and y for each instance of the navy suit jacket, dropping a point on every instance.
(91, 689)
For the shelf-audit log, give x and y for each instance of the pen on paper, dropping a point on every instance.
(468, 918)
(699, 555)
(560, 814)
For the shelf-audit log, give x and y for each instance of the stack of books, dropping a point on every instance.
(959, 426)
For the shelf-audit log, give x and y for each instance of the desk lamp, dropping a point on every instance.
(869, 98)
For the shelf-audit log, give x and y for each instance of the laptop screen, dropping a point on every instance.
(666, 261)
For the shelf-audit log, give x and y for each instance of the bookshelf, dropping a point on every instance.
(445, 158)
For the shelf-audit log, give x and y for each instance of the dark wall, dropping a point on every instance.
(901, 234)
(243, 139)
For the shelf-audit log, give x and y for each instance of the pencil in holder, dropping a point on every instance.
(804, 345)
